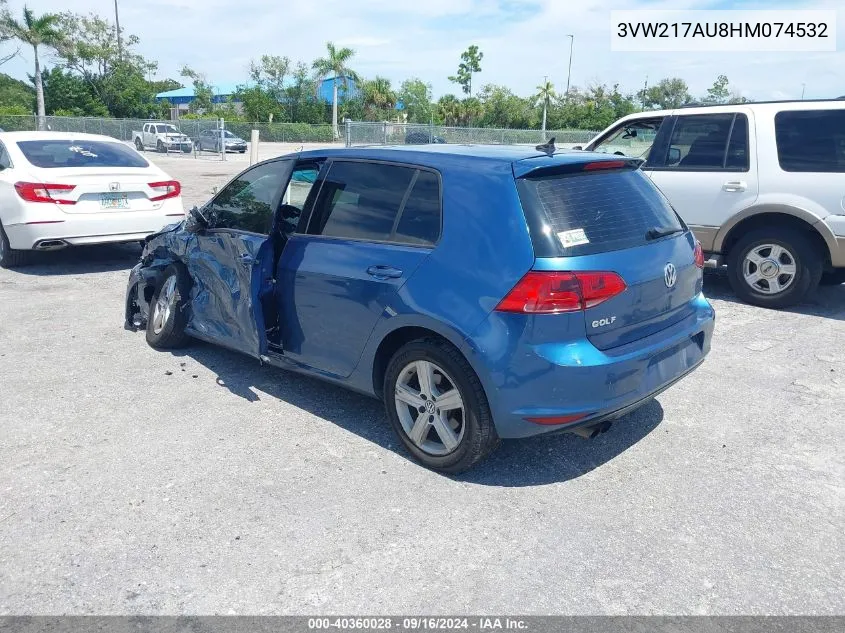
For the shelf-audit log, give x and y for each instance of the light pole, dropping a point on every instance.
(569, 74)
(117, 29)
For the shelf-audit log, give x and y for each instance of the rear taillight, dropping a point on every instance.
(547, 292)
(165, 189)
(41, 192)
(699, 255)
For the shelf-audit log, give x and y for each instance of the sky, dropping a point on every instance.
(522, 41)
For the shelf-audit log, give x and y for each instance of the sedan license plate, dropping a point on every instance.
(114, 201)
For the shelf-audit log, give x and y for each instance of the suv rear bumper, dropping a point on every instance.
(574, 378)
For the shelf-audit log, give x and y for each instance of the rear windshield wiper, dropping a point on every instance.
(662, 231)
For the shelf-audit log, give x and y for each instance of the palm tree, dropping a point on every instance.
(378, 95)
(35, 31)
(335, 63)
(545, 93)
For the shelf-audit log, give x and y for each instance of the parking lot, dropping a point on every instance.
(136, 481)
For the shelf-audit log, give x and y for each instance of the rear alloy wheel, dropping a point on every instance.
(167, 316)
(437, 406)
(774, 268)
(9, 257)
(139, 145)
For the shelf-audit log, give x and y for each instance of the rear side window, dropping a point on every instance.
(593, 212)
(811, 140)
(378, 202)
(708, 142)
(52, 154)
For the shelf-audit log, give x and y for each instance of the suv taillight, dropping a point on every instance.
(548, 292)
(40, 192)
(165, 189)
(699, 255)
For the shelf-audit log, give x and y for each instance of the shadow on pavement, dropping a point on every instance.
(81, 260)
(827, 301)
(529, 462)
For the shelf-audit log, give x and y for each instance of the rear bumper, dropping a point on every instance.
(92, 228)
(575, 378)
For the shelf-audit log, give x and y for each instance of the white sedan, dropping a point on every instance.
(60, 189)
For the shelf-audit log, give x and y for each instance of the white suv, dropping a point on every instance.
(762, 185)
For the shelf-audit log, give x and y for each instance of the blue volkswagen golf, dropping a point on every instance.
(480, 292)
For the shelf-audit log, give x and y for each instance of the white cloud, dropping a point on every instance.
(424, 38)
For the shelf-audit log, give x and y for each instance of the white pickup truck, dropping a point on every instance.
(162, 137)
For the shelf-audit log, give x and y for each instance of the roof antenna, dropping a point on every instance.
(548, 148)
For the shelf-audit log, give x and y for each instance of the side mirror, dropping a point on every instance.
(674, 156)
(630, 134)
(197, 221)
(577, 147)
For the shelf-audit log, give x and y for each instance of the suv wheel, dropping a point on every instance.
(774, 268)
(437, 406)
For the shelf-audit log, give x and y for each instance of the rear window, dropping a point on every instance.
(74, 153)
(584, 213)
(811, 140)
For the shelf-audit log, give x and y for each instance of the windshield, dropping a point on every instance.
(633, 139)
(58, 153)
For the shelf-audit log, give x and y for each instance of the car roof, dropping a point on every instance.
(454, 155)
(58, 136)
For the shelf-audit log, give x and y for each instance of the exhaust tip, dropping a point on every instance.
(589, 432)
(50, 245)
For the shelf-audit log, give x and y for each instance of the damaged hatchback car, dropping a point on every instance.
(481, 292)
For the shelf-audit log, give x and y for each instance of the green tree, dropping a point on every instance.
(34, 31)
(470, 64)
(449, 110)
(259, 105)
(335, 63)
(270, 74)
(68, 93)
(301, 99)
(15, 93)
(113, 71)
(499, 107)
(378, 98)
(203, 101)
(718, 92)
(544, 95)
(415, 96)
(665, 95)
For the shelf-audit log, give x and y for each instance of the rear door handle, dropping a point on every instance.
(735, 185)
(384, 272)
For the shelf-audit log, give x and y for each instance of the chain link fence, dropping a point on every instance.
(360, 133)
(122, 129)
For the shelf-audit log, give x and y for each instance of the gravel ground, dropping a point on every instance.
(134, 481)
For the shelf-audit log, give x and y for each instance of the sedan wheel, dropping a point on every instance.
(164, 305)
(167, 318)
(430, 408)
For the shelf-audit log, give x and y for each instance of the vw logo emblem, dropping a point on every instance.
(429, 406)
(670, 275)
(114, 186)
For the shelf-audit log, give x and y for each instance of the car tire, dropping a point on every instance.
(9, 257)
(242, 151)
(168, 317)
(833, 278)
(160, 147)
(471, 433)
(139, 145)
(795, 254)
(187, 150)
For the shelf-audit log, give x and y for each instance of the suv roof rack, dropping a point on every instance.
(716, 105)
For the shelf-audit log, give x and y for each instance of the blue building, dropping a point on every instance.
(181, 98)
